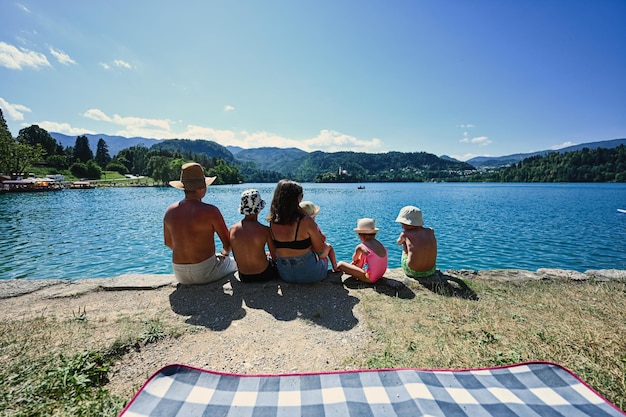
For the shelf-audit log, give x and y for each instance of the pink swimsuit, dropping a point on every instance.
(374, 266)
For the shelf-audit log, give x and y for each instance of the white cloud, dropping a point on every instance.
(480, 140)
(467, 126)
(13, 111)
(464, 157)
(332, 141)
(122, 64)
(61, 56)
(134, 126)
(118, 63)
(327, 140)
(96, 114)
(19, 58)
(225, 137)
(562, 145)
(64, 128)
(228, 107)
(24, 8)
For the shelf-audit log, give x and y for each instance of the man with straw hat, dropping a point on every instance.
(189, 228)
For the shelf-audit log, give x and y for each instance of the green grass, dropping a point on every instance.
(578, 325)
(108, 177)
(43, 376)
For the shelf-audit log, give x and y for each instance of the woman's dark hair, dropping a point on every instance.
(285, 207)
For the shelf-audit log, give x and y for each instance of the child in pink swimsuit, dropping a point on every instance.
(369, 261)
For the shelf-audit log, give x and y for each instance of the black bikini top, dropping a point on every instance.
(294, 244)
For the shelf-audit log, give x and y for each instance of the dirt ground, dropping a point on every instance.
(226, 326)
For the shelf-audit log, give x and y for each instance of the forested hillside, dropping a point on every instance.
(506, 160)
(271, 159)
(366, 167)
(272, 164)
(586, 165)
(206, 147)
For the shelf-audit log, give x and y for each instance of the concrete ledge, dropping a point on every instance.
(56, 288)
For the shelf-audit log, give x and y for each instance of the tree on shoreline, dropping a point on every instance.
(16, 154)
(102, 154)
(6, 143)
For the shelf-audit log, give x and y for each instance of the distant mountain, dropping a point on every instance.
(206, 147)
(500, 161)
(114, 143)
(234, 149)
(449, 158)
(272, 159)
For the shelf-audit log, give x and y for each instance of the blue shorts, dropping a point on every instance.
(303, 269)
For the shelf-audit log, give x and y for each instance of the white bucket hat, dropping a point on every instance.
(411, 216)
(251, 202)
(366, 226)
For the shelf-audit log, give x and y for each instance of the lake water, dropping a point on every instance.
(105, 232)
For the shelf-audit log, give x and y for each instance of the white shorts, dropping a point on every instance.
(210, 270)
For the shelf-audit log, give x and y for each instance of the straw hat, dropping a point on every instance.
(251, 202)
(366, 226)
(192, 178)
(309, 208)
(411, 216)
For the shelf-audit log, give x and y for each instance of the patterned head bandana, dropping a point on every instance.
(251, 202)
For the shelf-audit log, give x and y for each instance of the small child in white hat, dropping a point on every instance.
(369, 261)
(419, 245)
(310, 209)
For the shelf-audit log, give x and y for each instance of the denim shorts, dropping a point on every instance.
(303, 269)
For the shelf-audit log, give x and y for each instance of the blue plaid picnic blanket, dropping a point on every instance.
(528, 389)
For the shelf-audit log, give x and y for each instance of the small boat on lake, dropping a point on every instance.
(621, 210)
(361, 187)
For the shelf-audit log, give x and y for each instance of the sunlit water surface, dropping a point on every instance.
(76, 234)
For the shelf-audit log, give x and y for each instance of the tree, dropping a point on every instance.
(159, 169)
(117, 167)
(24, 154)
(226, 174)
(82, 151)
(57, 161)
(94, 172)
(34, 135)
(102, 154)
(79, 170)
(7, 143)
(135, 158)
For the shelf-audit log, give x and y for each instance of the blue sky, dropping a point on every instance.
(461, 78)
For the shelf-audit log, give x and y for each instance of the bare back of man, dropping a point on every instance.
(248, 238)
(189, 229)
(421, 247)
